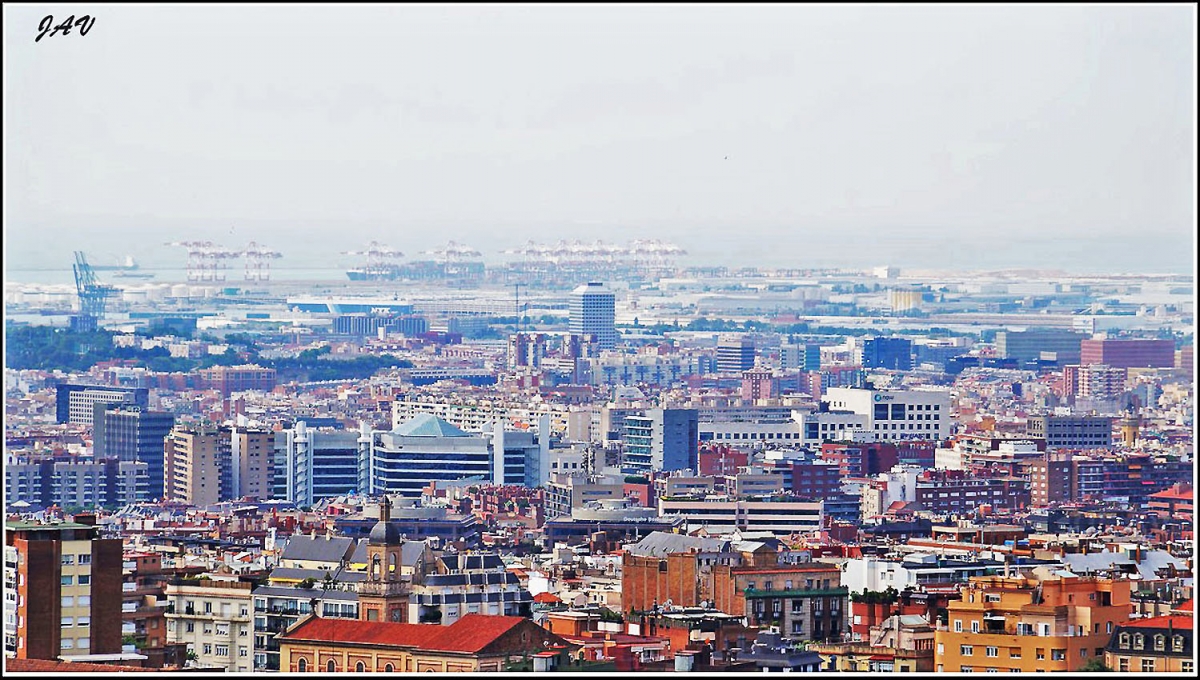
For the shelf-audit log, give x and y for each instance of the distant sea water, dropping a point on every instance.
(320, 257)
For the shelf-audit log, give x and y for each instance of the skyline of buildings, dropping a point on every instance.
(786, 469)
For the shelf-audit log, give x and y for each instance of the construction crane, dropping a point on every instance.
(258, 261)
(93, 295)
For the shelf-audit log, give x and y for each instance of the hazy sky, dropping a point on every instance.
(793, 134)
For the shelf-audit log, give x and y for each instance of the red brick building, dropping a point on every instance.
(1128, 353)
(230, 379)
(68, 589)
(816, 480)
(861, 459)
(721, 460)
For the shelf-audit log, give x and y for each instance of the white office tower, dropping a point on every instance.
(593, 312)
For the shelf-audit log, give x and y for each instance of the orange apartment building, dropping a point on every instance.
(1050, 623)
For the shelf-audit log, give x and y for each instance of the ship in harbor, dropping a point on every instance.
(421, 270)
(127, 265)
(452, 261)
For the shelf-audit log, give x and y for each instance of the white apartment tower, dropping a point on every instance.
(593, 312)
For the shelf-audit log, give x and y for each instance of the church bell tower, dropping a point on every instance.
(383, 596)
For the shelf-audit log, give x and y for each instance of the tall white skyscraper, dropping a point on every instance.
(593, 312)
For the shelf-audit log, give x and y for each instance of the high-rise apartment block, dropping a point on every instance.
(759, 383)
(1098, 381)
(526, 350)
(62, 591)
(662, 439)
(593, 312)
(205, 464)
(735, 354)
(132, 433)
(252, 464)
(197, 465)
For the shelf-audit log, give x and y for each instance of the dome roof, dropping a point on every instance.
(384, 533)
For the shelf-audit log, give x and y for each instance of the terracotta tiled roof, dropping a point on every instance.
(1171, 493)
(470, 634)
(363, 632)
(1172, 621)
(546, 598)
(1186, 606)
(48, 666)
(473, 632)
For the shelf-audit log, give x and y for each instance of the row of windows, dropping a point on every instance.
(223, 650)
(83, 580)
(1160, 642)
(331, 667)
(755, 435)
(1151, 665)
(84, 558)
(787, 585)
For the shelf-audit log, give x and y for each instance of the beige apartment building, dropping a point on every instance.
(205, 464)
(214, 619)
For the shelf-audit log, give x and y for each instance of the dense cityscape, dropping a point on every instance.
(592, 458)
(599, 338)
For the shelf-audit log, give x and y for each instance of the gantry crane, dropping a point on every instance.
(93, 295)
